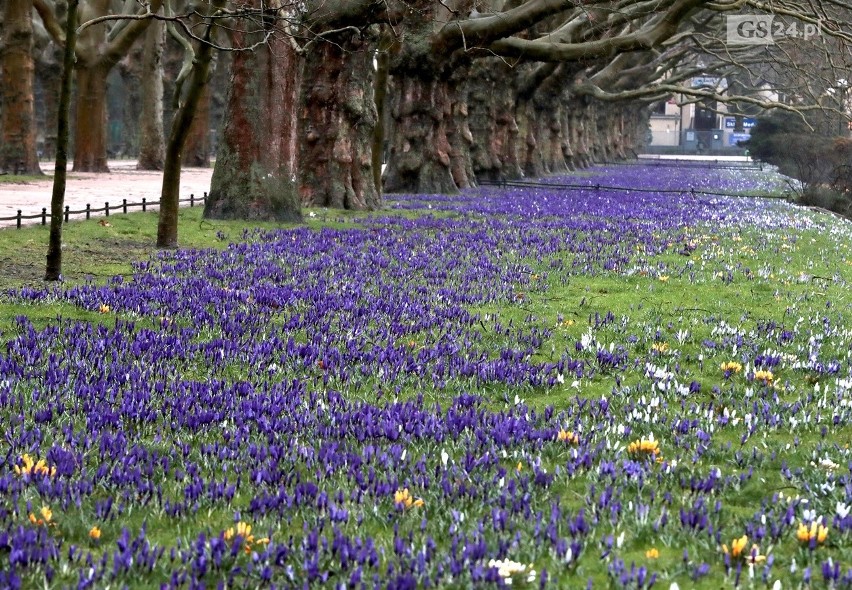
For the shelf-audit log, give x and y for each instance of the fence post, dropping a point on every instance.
(88, 211)
(106, 209)
(44, 215)
(143, 204)
(191, 200)
(204, 200)
(124, 206)
(19, 219)
(67, 212)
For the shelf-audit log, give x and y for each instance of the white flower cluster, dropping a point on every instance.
(508, 569)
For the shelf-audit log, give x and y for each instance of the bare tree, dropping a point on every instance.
(53, 271)
(99, 49)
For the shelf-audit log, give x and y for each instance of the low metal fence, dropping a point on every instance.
(124, 207)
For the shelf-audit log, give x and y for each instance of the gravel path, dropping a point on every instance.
(123, 182)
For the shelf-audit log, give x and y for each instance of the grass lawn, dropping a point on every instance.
(570, 390)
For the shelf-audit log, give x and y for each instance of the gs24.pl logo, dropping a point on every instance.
(762, 29)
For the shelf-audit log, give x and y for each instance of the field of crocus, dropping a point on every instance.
(506, 387)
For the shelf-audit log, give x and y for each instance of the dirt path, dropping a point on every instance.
(123, 182)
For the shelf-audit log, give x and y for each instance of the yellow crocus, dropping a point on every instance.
(731, 367)
(568, 436)
(765, 376)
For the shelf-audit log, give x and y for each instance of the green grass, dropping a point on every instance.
(23, 178)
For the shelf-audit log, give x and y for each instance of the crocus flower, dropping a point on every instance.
(737, 547)
(46, 517)
(403, 499)
(815, 534)
(568, 436)
(645, 446)
(765, 376)
(730, 367)
(30, 467)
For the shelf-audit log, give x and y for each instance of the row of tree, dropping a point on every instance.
(445, 92)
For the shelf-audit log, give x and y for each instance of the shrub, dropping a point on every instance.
(821, 162)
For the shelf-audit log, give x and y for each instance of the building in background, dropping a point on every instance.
(700, 127)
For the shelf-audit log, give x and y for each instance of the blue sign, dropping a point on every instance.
(748, 122)
(733, 138)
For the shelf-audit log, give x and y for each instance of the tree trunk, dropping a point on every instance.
(420, 150)
(97, 54)
(151, 140)
(494, 151)
(529, 133)
(17, 120)
(90, 141)
(53, 270)
(48, 77)
(197, 150)
(380, 93)
(428, 147)
(167, 227)
(459, 135)
(254, 176)
(337, 118)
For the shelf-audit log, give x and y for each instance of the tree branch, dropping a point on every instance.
(51, 24)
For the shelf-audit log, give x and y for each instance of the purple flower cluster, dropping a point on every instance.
(300, 379)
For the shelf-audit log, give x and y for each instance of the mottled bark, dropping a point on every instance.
(90, 138)
(254, 176)
(459, 135)
(419, 149)
(337, 118)
(151, 138)
(428, 146)
(529, 160)
(17, 120)
(491, 105)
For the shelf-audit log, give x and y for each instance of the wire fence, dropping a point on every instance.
(683, 163)
(628, 189)
(124, 207)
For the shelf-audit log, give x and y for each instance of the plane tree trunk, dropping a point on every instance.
(254, 176)
(337, 121)
(494, 152)
(421, 109)
(17, 121)
(151, 138)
